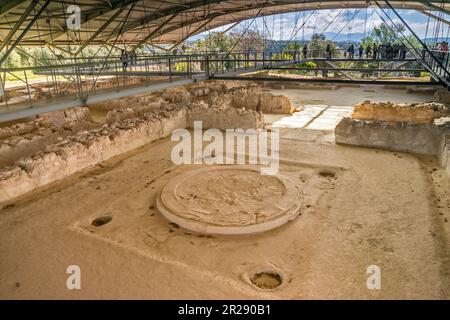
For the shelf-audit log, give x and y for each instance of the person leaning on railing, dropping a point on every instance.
(442, 51)
(328, 51)
(124, 60)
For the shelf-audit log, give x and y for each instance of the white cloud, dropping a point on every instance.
(282, 26)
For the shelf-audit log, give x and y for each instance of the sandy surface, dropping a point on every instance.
(360, 207)
(376, 208)
(348, 96)
(230, 200)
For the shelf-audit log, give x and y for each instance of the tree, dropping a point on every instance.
(213, 42)
(250, 41)
(318, 45)
(384, 35)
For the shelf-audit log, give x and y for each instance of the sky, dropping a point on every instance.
(287, 26)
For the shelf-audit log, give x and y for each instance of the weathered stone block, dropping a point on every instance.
(415, 138)
(412, 113)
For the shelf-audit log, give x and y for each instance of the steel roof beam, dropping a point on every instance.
(154, 32)
(95, 13)
(9, 5)
(429, 14)
(18, 24)
(190, 34)
(27, 28)
(100, 30)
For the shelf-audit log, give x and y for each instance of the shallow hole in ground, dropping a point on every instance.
(266, 280)
(100, 221)
(327, 173)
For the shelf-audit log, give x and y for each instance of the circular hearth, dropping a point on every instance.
(229, 200)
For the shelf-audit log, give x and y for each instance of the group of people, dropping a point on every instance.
(384, 51)
(128, 58)
(441, 50)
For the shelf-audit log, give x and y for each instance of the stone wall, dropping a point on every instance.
(275, 104)
(129, 126)
(442, 95)
(396, 136)
(133, 111)
(217, 94)
(444, 147)
(24, 128)
(421, 128)
(224, 118)
(23, 139)
(222, 94)
(60, 118)
(411, 113)
(86, 149)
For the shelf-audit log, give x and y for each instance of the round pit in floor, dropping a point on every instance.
(233, 199)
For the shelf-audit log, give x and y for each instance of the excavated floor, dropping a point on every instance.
(360, 207)
(229, 200)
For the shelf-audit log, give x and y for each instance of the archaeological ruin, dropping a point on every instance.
(164, 156)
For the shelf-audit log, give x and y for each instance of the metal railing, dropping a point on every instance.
(438, 62)
(81, 78)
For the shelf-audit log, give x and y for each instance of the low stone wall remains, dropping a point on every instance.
(128, 127)
(411, 113)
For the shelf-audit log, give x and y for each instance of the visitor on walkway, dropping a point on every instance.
(389, 51)
(445, 52)
(124, 60)
(395, 51)
(368, 52)
(441, 51)
(375, 52)
(351, 51)
(133, 57)
(361, 51)
(305, 51)
(328, 50)
(403, 51)
(382, 51)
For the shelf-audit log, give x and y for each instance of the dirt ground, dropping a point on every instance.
(348, 96)
(361, 207)
(380, 208)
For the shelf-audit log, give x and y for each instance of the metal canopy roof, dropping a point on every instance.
(152, 21)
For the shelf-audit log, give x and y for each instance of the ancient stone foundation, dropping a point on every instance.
(130, 123)
(444, 147)
(397, 136)
(417, 128)
(85, 149)
(204, 200)
(411, 113)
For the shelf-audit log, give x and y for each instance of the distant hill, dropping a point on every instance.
(354, 37)
(433, 40)
(340, 38)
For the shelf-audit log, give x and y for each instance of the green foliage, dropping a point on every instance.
(294, 46)
(282, 56)
(249, 41)
(319, 44)
(214, 42)
(309, 65)
(383, 35)
(223, 42)
(181, 67)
